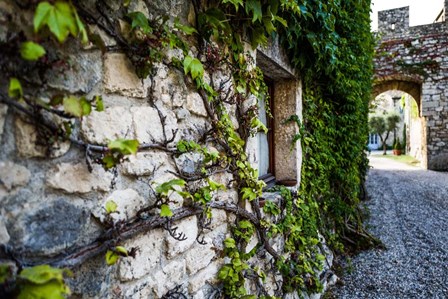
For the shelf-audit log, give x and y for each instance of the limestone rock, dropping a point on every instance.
(13, 175)
(168, 277)
(207, 275)
(28, 146)
(189, 227)
(83, 73)
(120, 77)
(189, 163)
(76, 178)
(143, 164)
(53, 227)
(108, 125)
(170, 88)
(195, 104)
(147, 259)
(128, 201)
(147, 125)
(199, 256)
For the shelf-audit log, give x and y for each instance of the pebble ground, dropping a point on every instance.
(409, 213)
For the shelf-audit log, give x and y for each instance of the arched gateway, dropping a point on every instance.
(415, 60)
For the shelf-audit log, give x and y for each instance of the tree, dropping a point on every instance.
(380, 124)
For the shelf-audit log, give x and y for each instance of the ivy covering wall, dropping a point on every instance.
(329, 44)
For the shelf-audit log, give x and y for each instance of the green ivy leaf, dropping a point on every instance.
(31, 51)
(139, 20)
(77, 107)
(124, 146)
(121, 250)
(236, 3)
(225, 272)
(99, 103)
(215, 185)
(15, 88)
(194, 67)
(111, 206)
(188, 30)
(187, 61)
(254, 6)
(258, 125)
(169, 186)
(81, 28)
(248, 193)
(111, 257)
(53, 289)
(42, 274)
(86, 107)
(59, 18)
(165, 211)
(229, 243)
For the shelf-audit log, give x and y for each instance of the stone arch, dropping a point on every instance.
(406, 84)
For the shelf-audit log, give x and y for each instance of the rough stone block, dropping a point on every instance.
(120, 77)
(147, 259)
(13, 175)
(199, 256)
(53, 227)
(143, 164)
(189, 163)
(189, 227)
(147, 124)
(438, 162)
(27, 142)
(207, 275)
(128, 201)
(169, 277)
(110, 124)
(195, 104)
(76, 178)
(81, 75)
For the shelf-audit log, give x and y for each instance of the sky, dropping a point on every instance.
(420, 11)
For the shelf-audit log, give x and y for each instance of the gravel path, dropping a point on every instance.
(409, 213)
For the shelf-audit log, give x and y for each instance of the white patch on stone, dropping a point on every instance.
(143, 164)
(169, 277)
(207, 275)
(108, 125)
(147, 259)
(195, 104)
(13, 175)
(189, 227)
(219, 217)
(76, 178)
(120, 77)
(199, 256)
(107, 40)
(128, 201)
(147, 125)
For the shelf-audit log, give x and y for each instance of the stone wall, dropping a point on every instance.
(414, 60)
(52, 199)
